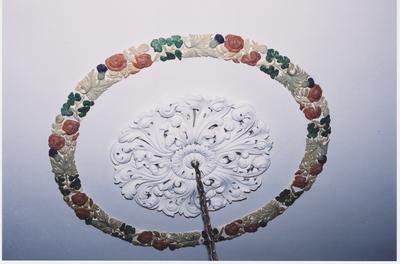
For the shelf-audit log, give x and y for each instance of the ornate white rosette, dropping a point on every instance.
(152, 157)
(306, 93)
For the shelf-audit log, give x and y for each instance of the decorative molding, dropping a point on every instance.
(152, 158)
(65, 131)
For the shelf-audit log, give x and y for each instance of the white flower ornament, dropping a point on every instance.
(153, 156)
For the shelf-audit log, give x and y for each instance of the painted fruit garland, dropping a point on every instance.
(65, 131)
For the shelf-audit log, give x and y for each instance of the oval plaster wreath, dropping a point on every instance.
(307, 94)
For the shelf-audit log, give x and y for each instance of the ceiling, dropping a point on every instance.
(347, 46)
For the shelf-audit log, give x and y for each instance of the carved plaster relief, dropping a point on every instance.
(152, 157)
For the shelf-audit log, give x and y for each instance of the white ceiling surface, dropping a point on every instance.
(347, 46)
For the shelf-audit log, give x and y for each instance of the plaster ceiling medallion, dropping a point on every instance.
(176, 139)
(152, 157)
